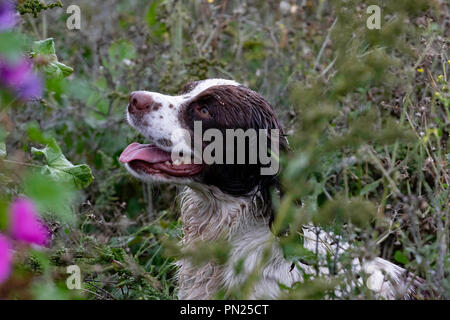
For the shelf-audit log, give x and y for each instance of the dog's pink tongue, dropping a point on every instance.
(144, 152)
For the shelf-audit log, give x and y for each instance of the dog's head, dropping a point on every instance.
(201, 121)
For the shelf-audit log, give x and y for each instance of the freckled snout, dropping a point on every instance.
(140, 102)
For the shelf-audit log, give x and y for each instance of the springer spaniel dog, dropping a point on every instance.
(229, 200)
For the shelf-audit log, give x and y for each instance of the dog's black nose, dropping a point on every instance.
(140, 101)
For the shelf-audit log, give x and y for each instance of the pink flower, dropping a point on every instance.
(24, 224)
(19, 77)
(5, 258)
(8, 16)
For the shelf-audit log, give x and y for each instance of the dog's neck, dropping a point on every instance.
(208, 214)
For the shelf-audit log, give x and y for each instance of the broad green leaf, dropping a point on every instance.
(61, 169)
(45, 47)
(66, 71)
(297, 165)
(47, 61)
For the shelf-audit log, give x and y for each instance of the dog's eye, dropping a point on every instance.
(202, 112)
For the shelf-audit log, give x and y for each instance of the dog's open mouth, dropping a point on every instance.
(153, 160)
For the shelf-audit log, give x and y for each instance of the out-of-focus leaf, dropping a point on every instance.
(49, 291)
(3, 214)
(52, 198)
(45, 58)
(151, 13)
(11, 45)
(298, 164)
(61, 169)
(157, 28)
(337, 211)
(294, 251)
(35, 134)
(400, 257)
(369, 188)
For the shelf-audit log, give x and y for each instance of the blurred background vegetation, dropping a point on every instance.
(366, 111)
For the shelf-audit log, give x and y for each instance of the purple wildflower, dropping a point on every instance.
(25, 224)
(5, 258)
(8, 16)
(20, 77)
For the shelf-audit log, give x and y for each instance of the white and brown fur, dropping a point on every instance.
(233, 202)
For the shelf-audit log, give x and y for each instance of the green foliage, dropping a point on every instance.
(61, 169)
(338, 211)
(366, 113)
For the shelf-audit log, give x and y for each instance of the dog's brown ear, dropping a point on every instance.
(238, 107)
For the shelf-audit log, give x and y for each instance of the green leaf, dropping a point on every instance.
(337, 211)
(36, 135)
(151, 13)
(401, 257)
(157, 28)
(61, 169)
(66, 71)
(45, 47)
(293, 250)
(44, 51)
